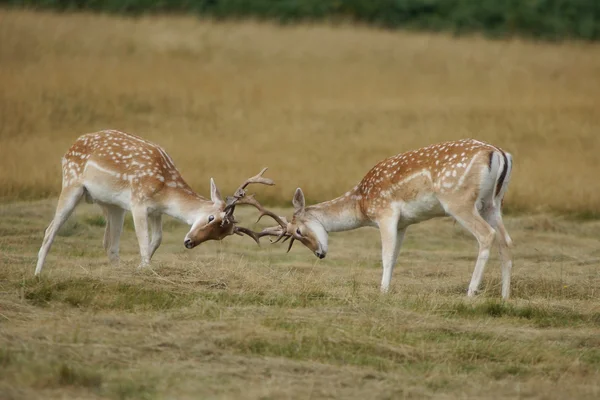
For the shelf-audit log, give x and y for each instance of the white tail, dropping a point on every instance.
(466, 179)
(122, 172)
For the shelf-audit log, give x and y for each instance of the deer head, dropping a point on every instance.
(213, 223)
(219, 222)
(304, 227)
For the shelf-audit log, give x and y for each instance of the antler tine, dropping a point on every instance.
(239, 230)
(275, 231)
(290, 246)
(280, 233)
(240, 193)
(250, 200)
(258, 178)
(240, 197)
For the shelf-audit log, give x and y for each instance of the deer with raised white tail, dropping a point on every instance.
(466, 179)
(123, 172)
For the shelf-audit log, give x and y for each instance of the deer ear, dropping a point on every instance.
(215, 195)
(298, 201)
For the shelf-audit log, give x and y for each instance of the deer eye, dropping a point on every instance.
(298, 232)
(211, 218)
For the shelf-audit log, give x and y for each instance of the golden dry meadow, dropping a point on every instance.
(319, 105)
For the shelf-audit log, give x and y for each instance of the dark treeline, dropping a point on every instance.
(542, 19)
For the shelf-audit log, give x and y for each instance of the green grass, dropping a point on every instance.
(324, 349)
(96, 294)
(126, 389)
(77, 376)
(71, 228)
(540, 315)
(587, 215)
(99, 295)
(232, 319)
(95, 220)
(52, 373)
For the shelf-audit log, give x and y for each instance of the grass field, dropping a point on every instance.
(227, 99)
(319, 105)
(231, 320)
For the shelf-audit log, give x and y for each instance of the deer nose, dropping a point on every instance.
(188, 244)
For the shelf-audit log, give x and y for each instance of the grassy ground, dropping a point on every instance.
(231, 320)
(226, 99)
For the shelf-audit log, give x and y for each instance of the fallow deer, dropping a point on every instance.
(466, 179)
(123, 172)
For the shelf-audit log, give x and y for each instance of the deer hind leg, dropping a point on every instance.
(494, 218)
(470, 218)
(140, 222)
(106, 240)
(115, 216)
(67, 201)
(156, 228)
(391, 242)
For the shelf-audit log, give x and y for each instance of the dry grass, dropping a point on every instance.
(231, 320)
(226, 99)
(320, 106)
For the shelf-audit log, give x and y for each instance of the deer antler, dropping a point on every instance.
(241, 197)
(240, 230)
(280, 232)
(240, 192)
(250, 200)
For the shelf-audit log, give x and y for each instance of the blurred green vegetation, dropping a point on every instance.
(541, 19)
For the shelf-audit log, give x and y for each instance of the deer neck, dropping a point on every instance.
(186, 206)
(340, 214)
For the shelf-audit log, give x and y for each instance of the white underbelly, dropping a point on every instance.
(420, 209)
(104, 187)
(101, 194)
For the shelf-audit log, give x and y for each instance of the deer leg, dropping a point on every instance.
(106, 240)
(505, 255)
(391, 241)
(156, 227)
(494, 218)
(67, 201)
(115, 216)
(140, 222)
(504, 244)
(116, 229)
(483, 232)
